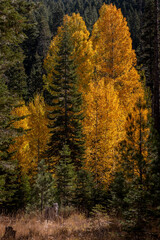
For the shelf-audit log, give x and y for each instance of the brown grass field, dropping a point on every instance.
(74, 227)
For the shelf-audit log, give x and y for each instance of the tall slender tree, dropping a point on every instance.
(115, 59)
(65, 108)
(30, 146)
(9, 185)
(156, 73)
(102, 132)
(82, 50)
(149, 54)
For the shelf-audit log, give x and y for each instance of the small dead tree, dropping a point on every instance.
(51, 213)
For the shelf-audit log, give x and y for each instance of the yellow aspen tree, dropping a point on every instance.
(115, 59)
(103, 128)
(82, 50)
(21, 147)
(30, 146)
(39, 134)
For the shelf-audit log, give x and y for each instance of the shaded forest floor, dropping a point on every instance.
(74, 227)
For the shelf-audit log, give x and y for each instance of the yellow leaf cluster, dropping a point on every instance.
(21, 145)
(114, 57)
(31, 144)
(113, 96)
(82, 50)
(103, 128)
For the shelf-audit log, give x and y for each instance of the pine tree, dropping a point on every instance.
(133, 170)
(12, 26)
(65, 115)
(135, 154)
(43, 188)
(13, 23)
(56, 13)
(35, 48)
(90, 16)
(16, 80)
(84, 191)
(9, 182)
(156, 71)
(149, 53)
(146, 50)
(65, 178)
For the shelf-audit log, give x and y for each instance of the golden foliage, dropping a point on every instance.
(113, 96)
(21, 145)
(30, 146)
(104, 129)
(114, 57)
(39, 133)
(82, 50)
(109, 99)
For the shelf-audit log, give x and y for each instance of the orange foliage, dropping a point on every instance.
(104, 129)
(113, 96)
(82, 50)
(114, 57)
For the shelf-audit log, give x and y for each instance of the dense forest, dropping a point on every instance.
(79, 108)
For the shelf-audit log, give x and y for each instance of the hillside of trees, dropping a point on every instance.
(79, 109)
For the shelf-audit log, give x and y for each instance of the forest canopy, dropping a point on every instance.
(79, 107)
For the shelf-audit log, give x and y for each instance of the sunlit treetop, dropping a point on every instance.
(82, 50)
(115, 59)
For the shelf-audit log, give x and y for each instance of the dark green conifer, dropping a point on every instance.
(65, 178)
(84, 192)
(13, 22)
(132, 179)
(66, 116)
(9, 180)
(56, 14)
(35, 48)
(146, 48)
(43, 188)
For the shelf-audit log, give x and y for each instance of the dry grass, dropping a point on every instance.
(75, 227)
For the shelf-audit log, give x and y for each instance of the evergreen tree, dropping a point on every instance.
(156, 72)
(43, 189)
(65, 114)
(13, 22)
(65, 178)
(56, 14)
(84, 192)
(132, 177)
(16, 80)
(9, 186)
(146, 48)
(9, 180)
(90, 16)
(149, 54)
(35, 48)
